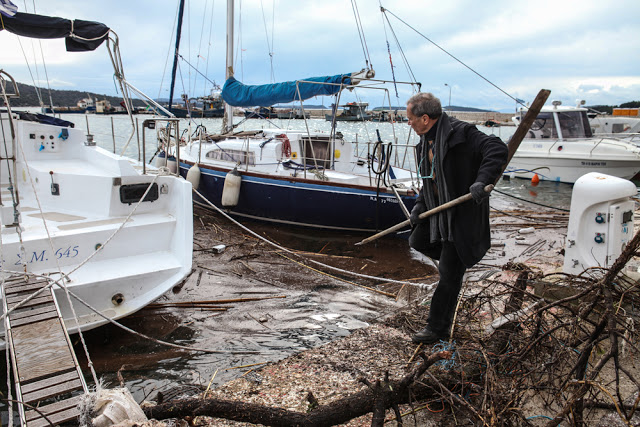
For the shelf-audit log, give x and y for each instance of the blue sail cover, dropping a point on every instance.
(240, 95)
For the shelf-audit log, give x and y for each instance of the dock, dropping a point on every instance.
(48, 380)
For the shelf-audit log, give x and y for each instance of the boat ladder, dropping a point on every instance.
(46, 371)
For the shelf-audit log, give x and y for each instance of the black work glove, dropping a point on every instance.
(418, 208)
(477, 192)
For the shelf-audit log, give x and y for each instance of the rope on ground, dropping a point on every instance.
(530, 201)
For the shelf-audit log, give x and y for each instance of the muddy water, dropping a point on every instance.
(309, 310)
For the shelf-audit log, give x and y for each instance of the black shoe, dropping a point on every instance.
(427, 336)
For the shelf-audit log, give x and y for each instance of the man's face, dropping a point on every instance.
(420, 125)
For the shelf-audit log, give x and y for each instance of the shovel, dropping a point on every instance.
(513, 145)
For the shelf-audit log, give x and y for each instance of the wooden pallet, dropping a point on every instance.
(45, 367)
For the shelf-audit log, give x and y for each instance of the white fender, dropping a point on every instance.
(172, 164)
(231, 189)
(193, 176)
(160, 160)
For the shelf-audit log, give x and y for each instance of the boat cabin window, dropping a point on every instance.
(317, 151)
(236, 156)
(543, 126)
(574, 124)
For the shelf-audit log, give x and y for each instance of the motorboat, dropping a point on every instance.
(561, 147)
(108, 232)
(615, 124)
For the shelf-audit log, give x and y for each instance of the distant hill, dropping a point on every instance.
(61, 98)
(609, 108)
(445, 108)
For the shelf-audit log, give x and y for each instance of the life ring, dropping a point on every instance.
(286, 145)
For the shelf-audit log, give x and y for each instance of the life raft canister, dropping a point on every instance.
(231, 188)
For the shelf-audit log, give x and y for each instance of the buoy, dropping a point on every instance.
(193, 176)
(231, 189)
(535, 180)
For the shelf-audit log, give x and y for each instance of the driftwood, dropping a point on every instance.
(376, 398)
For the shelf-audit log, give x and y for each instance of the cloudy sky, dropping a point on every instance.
(587, 49)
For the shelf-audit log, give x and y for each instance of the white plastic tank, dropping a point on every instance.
(231, 188)
(600, 221)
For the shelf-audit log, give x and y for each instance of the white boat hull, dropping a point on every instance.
(569, 170)
(111, 251)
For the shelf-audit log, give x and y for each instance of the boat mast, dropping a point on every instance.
(176, 52)
(227, 124)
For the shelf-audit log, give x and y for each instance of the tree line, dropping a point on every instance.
(61, 98)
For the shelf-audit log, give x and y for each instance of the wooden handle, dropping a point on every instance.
(513, 145)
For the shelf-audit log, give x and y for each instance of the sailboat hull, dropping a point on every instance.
(303, 202)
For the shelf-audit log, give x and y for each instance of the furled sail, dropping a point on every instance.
(79, 35)
(238, 94)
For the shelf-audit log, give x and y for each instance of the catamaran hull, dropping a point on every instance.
(305, 203)
(569, 170)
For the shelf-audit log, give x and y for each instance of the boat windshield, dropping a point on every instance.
(574, 124)
(543, 126)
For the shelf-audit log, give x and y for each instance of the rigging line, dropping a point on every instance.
(196, 70)
(206, 69)
(46, 74)
(273, 32)
(200, 46)
(363, 41)
(451, 55)
(269, 45)
(24, 54)
(166, 62)
(402, 55)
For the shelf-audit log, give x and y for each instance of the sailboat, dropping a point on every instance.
(312, 179)
(110, 232)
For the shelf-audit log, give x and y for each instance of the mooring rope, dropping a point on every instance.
(289, 251)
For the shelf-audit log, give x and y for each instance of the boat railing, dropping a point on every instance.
(167, 131)
(10, 157)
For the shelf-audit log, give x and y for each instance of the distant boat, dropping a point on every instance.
(351, 112)
(622, 121)
(561, 147)
(261, 113)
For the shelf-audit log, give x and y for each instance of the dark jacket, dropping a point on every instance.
(469, 156)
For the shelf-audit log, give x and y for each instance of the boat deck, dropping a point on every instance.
(45, 368)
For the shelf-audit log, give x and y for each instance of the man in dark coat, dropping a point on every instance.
(454, 158)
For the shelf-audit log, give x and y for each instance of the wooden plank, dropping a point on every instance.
(24, 287)
(19, 280)
(33, 319)
(48, 382)
(56, 390)
(41, 349)
(58, 412)
(39, 300)
(31, 311)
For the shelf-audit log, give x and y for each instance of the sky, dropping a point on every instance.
(580, 50)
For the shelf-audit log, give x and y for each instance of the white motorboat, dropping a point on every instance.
(561, 147)
(111, 231)
(608, 124)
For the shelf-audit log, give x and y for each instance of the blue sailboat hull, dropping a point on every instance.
(304, 202)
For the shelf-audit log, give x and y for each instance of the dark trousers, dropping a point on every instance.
(451, 270)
